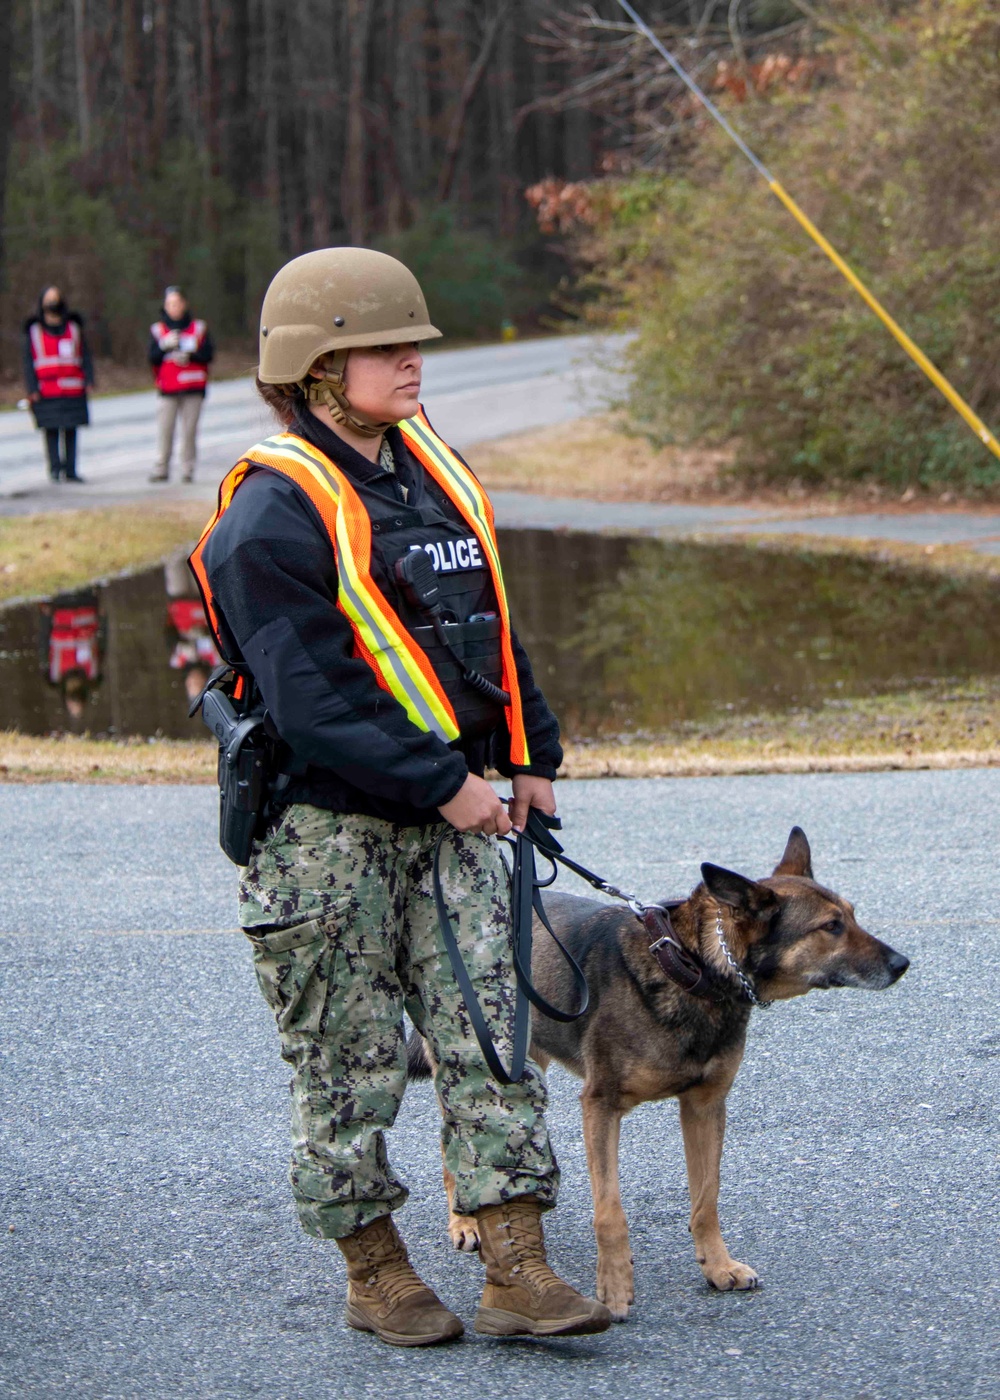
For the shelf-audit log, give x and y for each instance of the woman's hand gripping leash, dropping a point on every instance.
(477, 808)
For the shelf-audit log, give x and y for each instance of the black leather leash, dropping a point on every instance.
(683, 966)
(526, 899)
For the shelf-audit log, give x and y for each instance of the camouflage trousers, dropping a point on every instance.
(350, 940)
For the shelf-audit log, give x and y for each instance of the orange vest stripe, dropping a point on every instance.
(458, 482)
(400, 665)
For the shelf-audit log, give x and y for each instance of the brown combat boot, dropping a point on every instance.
(386, 1295)
(522, 1294)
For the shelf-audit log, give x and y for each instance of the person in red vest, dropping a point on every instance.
(180, 352)
(71, 644)
(57, 373)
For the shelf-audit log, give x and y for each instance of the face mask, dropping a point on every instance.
(55, 308)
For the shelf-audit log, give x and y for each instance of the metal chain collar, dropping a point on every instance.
(745, 982)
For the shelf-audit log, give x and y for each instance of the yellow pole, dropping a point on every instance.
(914, 351)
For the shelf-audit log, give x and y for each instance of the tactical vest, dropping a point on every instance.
(395, 641)
(58, 360)
(172, 378)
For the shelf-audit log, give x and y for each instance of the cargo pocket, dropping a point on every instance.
(296, 969)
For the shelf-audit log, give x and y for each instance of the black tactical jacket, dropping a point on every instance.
(273, 576)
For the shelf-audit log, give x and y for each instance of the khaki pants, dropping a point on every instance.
(186, 407)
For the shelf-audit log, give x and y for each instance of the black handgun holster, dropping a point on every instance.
(245, 756)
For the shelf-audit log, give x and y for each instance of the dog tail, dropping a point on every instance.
(418, 1065)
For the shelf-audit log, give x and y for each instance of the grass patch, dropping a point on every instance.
(945, 727)
(593, 458)
(50, 553)
(66, 758)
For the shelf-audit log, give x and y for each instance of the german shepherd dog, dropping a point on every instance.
(644, 1038)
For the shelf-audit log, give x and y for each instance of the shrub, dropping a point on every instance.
(470, 281)
(746, 332)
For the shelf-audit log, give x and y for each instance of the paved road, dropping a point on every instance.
(516, 509)
(154, 1250)
(472, 395)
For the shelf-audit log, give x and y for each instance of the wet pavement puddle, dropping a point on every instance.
(625, 636)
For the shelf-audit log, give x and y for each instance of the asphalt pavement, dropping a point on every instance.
(471, 395)
(149, 1243)
(474, 395)
(975, 530)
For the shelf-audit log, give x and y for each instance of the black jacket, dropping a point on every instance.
(273, 576)
(204, 355)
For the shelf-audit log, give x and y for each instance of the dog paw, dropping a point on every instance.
(617, 1295)
(464, 1233)
(731, 1276)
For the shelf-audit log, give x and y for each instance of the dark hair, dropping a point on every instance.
(281, 399)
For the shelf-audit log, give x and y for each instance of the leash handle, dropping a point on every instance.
(526, 882)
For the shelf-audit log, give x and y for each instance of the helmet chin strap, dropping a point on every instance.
(330, 391)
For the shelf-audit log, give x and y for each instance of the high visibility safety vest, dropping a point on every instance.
(400, 665)
(171, 377)
(58, 360)
(73, 643)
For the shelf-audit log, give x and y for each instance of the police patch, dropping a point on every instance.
(453, 556)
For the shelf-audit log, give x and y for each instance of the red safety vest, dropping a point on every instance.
(58, 360)
(172, 378)
(381, 639)
(73, 643)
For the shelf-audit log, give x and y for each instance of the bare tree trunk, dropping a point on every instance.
(470, 87)
(37, 64)
(6, 112)
(80, 57)
(271, 87)
(354, 191)
(135, 123)
(208, 101)
(162, 21)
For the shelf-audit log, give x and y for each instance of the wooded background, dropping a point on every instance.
(205, 141)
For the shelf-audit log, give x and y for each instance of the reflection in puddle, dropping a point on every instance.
(624, 635)
(71, 642)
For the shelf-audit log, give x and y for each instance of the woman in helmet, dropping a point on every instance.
(306, 581)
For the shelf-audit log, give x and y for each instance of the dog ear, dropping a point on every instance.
(797, 859)
(736, 890)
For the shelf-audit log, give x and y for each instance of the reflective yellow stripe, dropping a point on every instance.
(473, 502)
(471, 493)
(388, 643)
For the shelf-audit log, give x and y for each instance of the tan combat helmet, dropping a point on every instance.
(328, 302)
